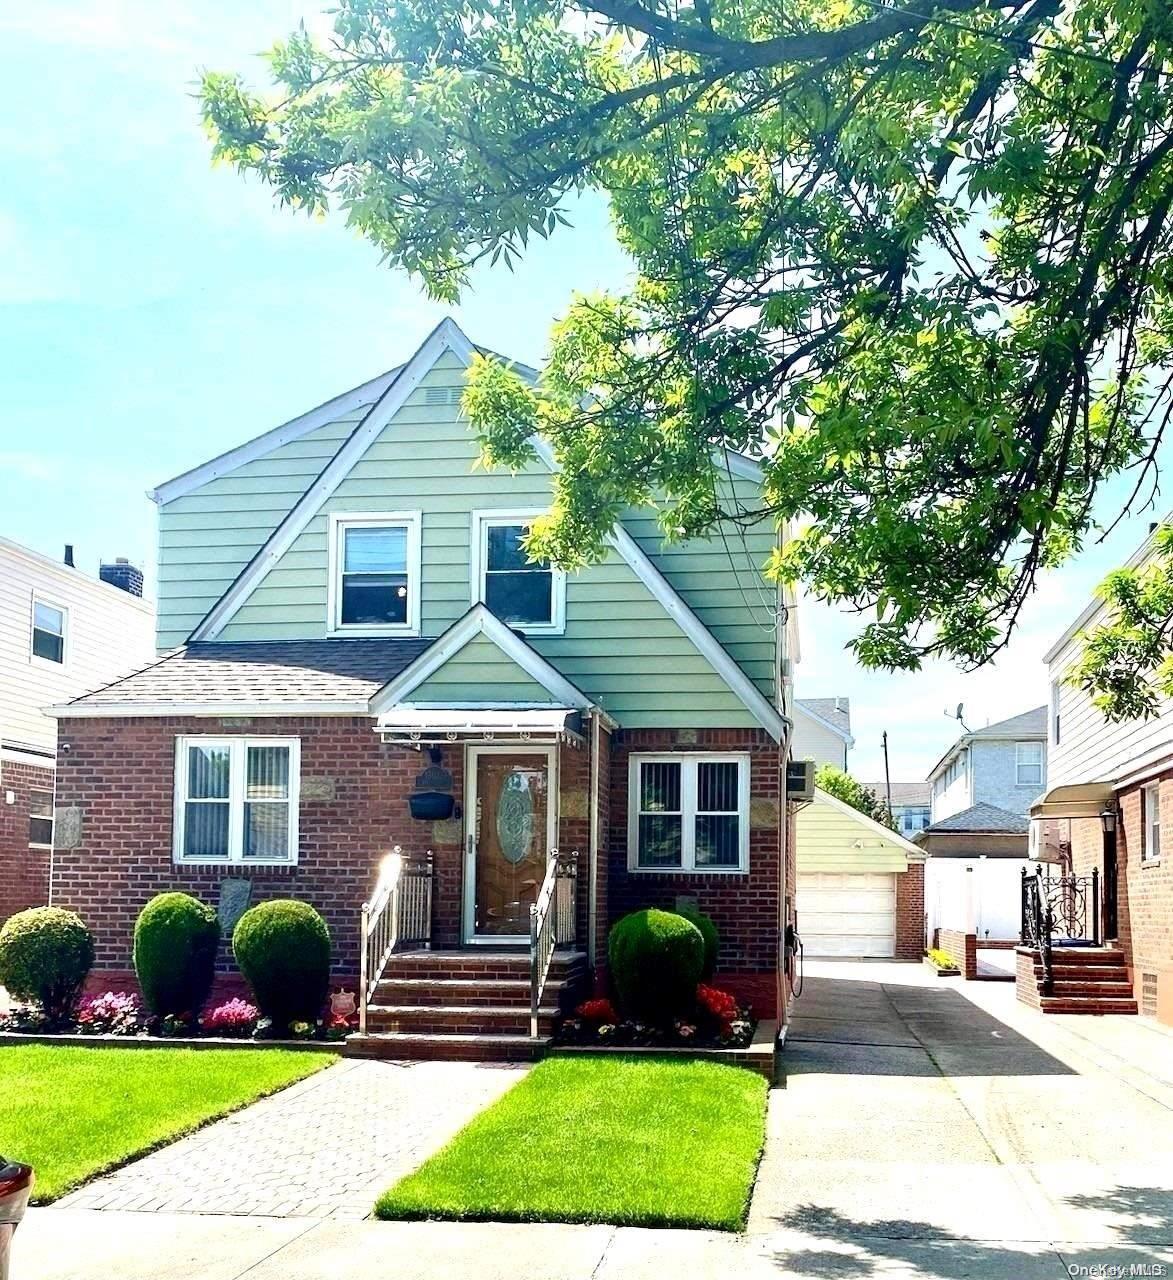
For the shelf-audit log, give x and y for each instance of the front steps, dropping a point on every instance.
(1085, 980)
(470, 1005)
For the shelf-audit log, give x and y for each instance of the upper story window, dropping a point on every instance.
(1028, 764)
(236, 800)
(527, 594)
(688, 813)
(49, 624)
(913, 818)
(375, 574)
(1150, 814)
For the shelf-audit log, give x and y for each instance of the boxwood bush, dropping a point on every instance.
(45, 955)
(175, 941)
(283, 950)
(709, 933)
(656, 958)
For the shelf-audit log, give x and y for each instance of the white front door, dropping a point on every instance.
(510, 824)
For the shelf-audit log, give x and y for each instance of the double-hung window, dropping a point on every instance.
(49, 623)
(524, 593)
(375, 574)
(236, 800)
(688, 813)
(1028, 764)
(1150, 811)
(41, 818)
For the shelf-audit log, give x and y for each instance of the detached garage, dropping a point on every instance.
(860, 890)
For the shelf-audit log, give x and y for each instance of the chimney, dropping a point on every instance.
(69, 554)
(123, 575)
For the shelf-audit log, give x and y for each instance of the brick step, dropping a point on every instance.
(461, 1019)
(1086, 1004)
(471, 964)
(513, 992)
(1115, 990)
(446, 1047)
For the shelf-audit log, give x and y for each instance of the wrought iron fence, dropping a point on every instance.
(1063, 908)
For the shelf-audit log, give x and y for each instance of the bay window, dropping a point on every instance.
(688, 813)
(236, 800)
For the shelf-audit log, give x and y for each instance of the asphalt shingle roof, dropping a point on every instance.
(836, 711)
(293, 671)
(1034, 721)
(984, 818)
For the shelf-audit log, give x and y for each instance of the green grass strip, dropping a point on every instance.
(73, 1112)
(635, 1141)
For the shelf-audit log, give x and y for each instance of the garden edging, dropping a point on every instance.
(169, 1042)
(759, 1055)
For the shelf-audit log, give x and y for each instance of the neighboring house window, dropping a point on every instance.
(1150, 809)
(49, 623)
(527, 594)
(41, 817)
(236, 800)
(688, 813)
(375, 574)
(1028, 764)
(913, 819)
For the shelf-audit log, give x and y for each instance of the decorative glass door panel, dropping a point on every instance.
(510, 838)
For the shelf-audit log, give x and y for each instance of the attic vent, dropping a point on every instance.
(1148, 994)
(442, 396)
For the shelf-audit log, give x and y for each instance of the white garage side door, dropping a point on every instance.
(847, 915)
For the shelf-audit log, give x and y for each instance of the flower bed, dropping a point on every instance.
(942, 963)
(718, 1023)
(120, 1014)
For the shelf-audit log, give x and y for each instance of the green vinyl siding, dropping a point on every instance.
(620, 646)
(480, 672)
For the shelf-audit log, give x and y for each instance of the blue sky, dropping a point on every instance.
(155, 311)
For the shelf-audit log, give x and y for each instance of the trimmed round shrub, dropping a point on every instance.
(175, 941)
(656, 959)
(45, 955)
(710, 934)
(283, 950)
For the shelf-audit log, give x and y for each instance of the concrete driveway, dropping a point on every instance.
(939, 1128)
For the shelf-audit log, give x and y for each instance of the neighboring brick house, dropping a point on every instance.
(61, 634)
(361, 656)
(1108, 810)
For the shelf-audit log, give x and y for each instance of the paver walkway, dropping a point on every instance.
(324, 1148)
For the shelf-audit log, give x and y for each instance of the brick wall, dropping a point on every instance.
(910, 912)
(24, 870)
(744, 906)
(1026, 982)
(1145, 892)
(120, 773)
(961, 948)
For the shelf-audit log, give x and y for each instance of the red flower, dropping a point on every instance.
(598, 1011)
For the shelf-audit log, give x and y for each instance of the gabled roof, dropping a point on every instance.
(832, 713)
(281, 677)
(910, 793)
(479, 621)
(1027, 726)
(447, 336)
(870, 826)
(980, 819)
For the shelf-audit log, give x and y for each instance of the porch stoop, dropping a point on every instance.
(1084, 980)
(472, 1004)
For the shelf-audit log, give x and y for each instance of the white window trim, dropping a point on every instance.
(63, 610)
(1020, 763)
(52, 818)
(238, 746)
(1147, 853)
(688, 810)
(482, 521)
(339, 522)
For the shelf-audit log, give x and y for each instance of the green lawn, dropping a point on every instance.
(629, 1140)
(73, 1112)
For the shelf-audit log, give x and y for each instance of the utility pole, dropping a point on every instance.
(887, 775)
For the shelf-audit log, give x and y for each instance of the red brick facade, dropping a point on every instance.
(24, 868)
(119, 775)
(910, 912)
(1144, 893)
(962, 949)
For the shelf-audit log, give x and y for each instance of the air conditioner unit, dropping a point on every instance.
(800, 780)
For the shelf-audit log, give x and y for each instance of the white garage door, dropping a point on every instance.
(847, 915)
